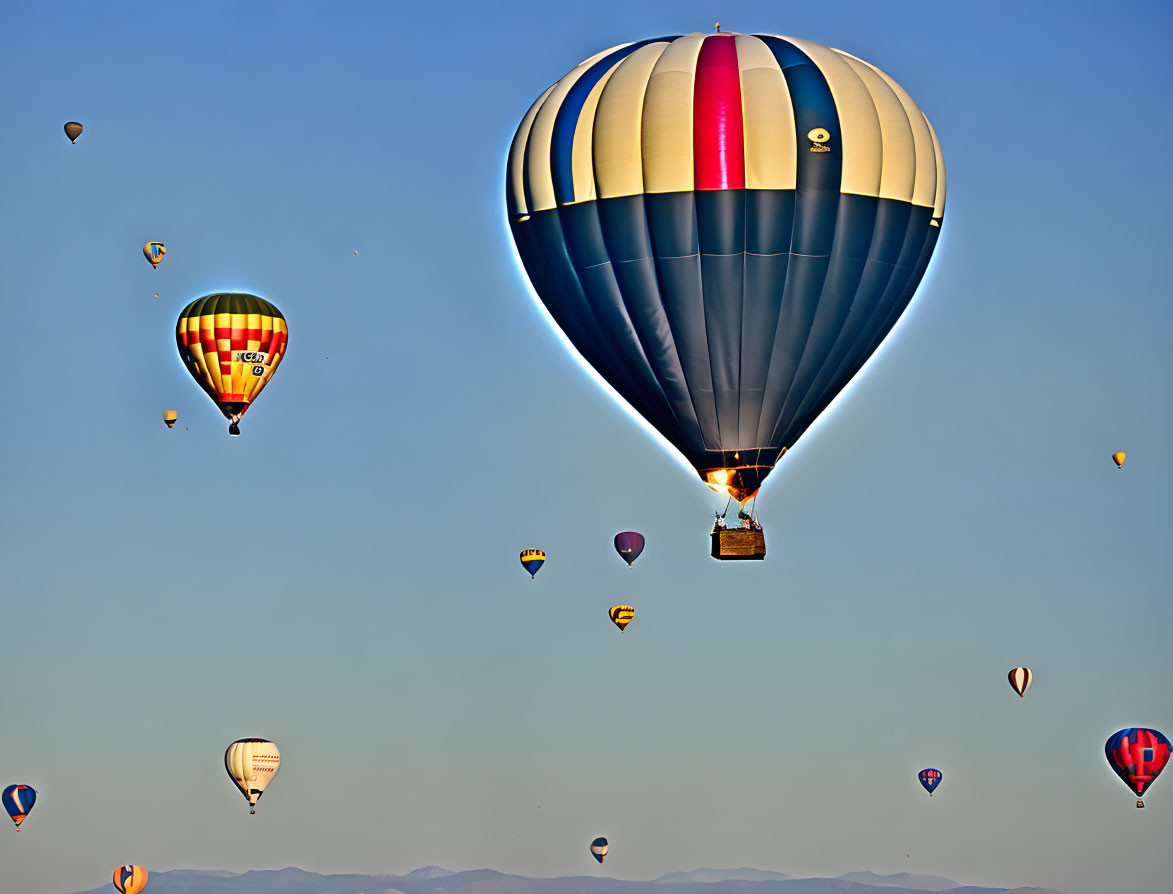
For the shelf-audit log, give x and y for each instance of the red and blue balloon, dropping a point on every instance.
(1138, 756)
(930, 779)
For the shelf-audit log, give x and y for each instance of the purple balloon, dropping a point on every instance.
(629, 545)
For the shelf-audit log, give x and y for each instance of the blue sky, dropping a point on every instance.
(343, 578)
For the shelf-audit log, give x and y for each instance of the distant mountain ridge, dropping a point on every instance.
(437, 880)
(744, 874)
(902, 879)
(429, 872)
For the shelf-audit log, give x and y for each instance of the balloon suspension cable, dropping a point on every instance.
(753, 508)
(728, 503)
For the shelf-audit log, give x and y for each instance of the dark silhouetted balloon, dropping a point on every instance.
(629, 545)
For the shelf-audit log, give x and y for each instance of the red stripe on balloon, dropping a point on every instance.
(717, 134)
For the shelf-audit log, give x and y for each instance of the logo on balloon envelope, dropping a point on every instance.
(250, 357)
(930, 778)
(819, 138)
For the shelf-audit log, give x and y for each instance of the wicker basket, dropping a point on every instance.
(739, 543)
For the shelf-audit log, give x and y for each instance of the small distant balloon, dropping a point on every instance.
(73, 131)
(169, 416)
(532, 560)
(153, 252)
(356, 252)
(1138, 756)
(930, 779)
(18, 800)
(599, 848)
(251, 765)
(629, 544)
(1118, 458)
(130, 879)
(621, 615)
(1020, 680)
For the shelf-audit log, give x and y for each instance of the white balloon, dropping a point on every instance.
(252, 764)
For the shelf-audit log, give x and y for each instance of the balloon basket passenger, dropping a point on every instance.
(745, 542)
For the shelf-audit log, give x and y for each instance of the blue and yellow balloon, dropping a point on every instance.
(532, 560)
(153, 252)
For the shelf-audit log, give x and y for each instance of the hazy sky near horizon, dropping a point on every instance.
(343, 578)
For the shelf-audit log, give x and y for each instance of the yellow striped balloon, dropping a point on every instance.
(231, 344)
(621, 615)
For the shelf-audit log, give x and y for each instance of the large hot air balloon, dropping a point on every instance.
(231, 344)
(18, 800)
(621, 615)
(1020, 680)
(251, 765)
(153, 252)
(930, 779)
(1138, 756)
(599, 848)
(169, 417)
(130, 879)
(629, 545)
(1118, 458)
(726, 227)
(73, 130)
(532, 560)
